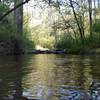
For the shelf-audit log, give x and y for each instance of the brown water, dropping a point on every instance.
(50, 77)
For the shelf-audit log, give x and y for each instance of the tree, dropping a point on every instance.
(98, 1)
(90, 17)
(18, 14)
(80, 27)
(94, 10)
(18, 17)
(66, 23)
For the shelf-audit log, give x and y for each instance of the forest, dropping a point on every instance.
(69, 25)
(49, 49)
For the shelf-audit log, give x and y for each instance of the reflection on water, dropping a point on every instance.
(50, 77)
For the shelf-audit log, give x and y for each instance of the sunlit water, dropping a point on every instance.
(50, 77)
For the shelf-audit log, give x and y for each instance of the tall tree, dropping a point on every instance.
(19, 17)
(90, 17)
(66, 23)
(98, 1)
(77, 21)
(94, 10)
(18, 14)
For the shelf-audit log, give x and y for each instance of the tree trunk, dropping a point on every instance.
(18, 14)
(66, 23)
(82, 17)
(90, 17)
(94, 11)
(19, 18)
(77, 22)
(98, 3)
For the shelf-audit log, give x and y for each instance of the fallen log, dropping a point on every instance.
(46, 51)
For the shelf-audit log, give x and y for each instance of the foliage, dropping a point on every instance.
(6, 30)
(47, 42)
(28, 44)
(27, 41)
(63, 25)
(75, 45)
(96, 26)
(3, 8)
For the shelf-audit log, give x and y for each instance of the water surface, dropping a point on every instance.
(50, 77)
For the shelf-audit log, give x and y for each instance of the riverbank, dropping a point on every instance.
(8, 47)
(33, 51)
(95, 51)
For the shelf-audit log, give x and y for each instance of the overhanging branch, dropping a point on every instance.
(17, 6)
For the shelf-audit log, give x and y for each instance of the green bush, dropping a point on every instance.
(76, 46)
(46, 42)
(28, 44)
(96, 26)
(6, 31)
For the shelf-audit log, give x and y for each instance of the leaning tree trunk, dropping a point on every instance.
(18, 14)
(77, 22)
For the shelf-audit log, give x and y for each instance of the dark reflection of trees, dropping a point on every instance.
(65, 70)
(7, 76)
(95, 83)
(11, 74)
(81, 77)
(96, 67)
(20, 62)
(74, 71)
(18, 81)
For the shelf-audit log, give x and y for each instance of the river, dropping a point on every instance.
(50, 77)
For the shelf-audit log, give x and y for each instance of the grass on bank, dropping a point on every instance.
(75, 45)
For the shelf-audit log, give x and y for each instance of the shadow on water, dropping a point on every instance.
(49, 77)
(11, 77)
